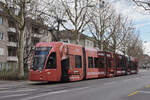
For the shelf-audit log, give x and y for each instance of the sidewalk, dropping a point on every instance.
(143, 70)
(11, 81)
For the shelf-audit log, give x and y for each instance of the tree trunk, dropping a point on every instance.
(21, 53)
(78, 41)
(78, 38)
(101, 44)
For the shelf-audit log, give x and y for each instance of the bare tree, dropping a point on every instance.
(132, 45)
(135, 46)
(143, 3)
(17, 10)
(77, 14)
(118, 29)
(129, 30)
(52, 13)
(102, 14)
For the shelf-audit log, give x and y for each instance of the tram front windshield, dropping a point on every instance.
(39, 58)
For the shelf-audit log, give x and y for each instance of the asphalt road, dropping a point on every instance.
(131, 87)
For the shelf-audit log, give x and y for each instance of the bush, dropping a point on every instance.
(11, 75)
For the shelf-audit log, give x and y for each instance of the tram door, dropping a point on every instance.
(64, 70)
(84, 63)
(106, 65)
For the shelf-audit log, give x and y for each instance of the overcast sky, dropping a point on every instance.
(140, 17)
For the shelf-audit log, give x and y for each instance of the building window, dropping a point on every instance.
(96, 60)
(12, 37)
(35, 40)
(78, 62)
(1, 35)
(11, 24)
(12, 51)
(91, 44)
(1, 66)
(1, 20)
(90, 62)
(109, 62)
(87, 43)
(1, 51)
(66, 41)
(35, 30)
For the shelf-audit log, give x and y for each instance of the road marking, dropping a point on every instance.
(148, 86)
(109, 83)
(13, 95)
(6, 91)
(12, 83)
(2, 88)
(55, 92)
(8, 85)
(133, 93)
(128, 79)
(137, 78)
(148, 92)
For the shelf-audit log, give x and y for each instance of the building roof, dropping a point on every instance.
(69, 34)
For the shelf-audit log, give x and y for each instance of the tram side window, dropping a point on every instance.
(134, 65)
(123, 64)
(96, 61)
(130, 64)
(99, 62)
(90, 62)
(78, 61)
(118, 64)
(51, 62)
(109, 63)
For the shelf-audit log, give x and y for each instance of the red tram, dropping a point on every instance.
(121, 64)
(57, 61)
(133, 65)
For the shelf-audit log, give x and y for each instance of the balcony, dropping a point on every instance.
(37, 35)
(12, 44)
(12, 58)
(10, 29)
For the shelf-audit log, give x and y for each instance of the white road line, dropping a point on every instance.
(147, 92)
(8, 85)
(138, 78)
(109, 83)
(128, 79)
(2, 88)
(8, 91)
(13, 95)
(55, 92)
(125, 80)
(12, 84)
